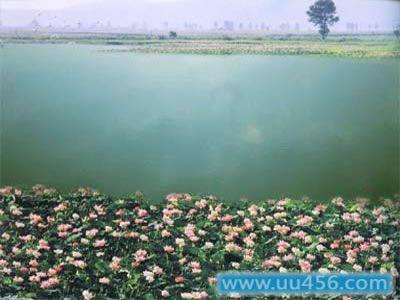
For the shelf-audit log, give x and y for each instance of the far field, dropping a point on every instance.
(362, 46)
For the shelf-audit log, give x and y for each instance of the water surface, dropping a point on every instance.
(258, 126)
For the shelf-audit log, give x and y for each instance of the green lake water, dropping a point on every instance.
(258, 126)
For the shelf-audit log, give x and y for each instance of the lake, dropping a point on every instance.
(255, 126)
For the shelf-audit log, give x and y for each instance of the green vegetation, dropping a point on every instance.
(85, 245)
(213, 43)
(348, 48)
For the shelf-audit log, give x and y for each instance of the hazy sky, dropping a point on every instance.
(55, 4)
(203, 12)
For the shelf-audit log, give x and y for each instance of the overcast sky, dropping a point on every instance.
(203, 12)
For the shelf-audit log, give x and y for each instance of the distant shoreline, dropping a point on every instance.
(357, 45)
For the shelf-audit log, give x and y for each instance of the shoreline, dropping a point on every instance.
(353, 46)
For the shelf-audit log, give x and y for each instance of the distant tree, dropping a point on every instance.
(227, 38)
(173, 35)
(396, 32)
(323, 14)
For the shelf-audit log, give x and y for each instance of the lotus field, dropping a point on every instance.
(85, 245)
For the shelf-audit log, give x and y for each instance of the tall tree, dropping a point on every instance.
(323, 14)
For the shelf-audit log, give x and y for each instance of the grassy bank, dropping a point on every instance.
(346, 48)
(358, 46)
(86, 245)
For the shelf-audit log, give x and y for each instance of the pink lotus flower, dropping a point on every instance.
(195, 295)
(183, 261)
(87, 295)
(305, 265)
(17, 279)
(60, 207)
(247, 225)
(288, 257)
(76, 254)
(249, 242)
(282, 229)
(91, 233)
(335, 244)
(195, 266)
(230, 237)
(190, 232)
(310, 257)
(115, 264)
(169, 249)
(172, 198)
(364, 246)
(304, 221)
(142, 213)
(34, 279)
(377, 212)
(280, 215)
(230, 247)
(157, 270)
(15, 211)
(33, 263)
(140, 255)
(19, 225)
(44, 245)
(357, 268)
(51, 282)
(226, 218)
(51, 272)
(274, 261)
(79, 264)
(381, 219)
(3, 263)
(373, 260)
(201, 204)
(5, 271)
(180, 242)
(335, 260)
(62, 234)
(120, 212)
(385, 248)
(298, 235)
(282, 246)
(104, 280)
(99, 243)
(64, 227)
(124, 224)
(319, 209)
(165, 233)
(6, 191)
(355, 217)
